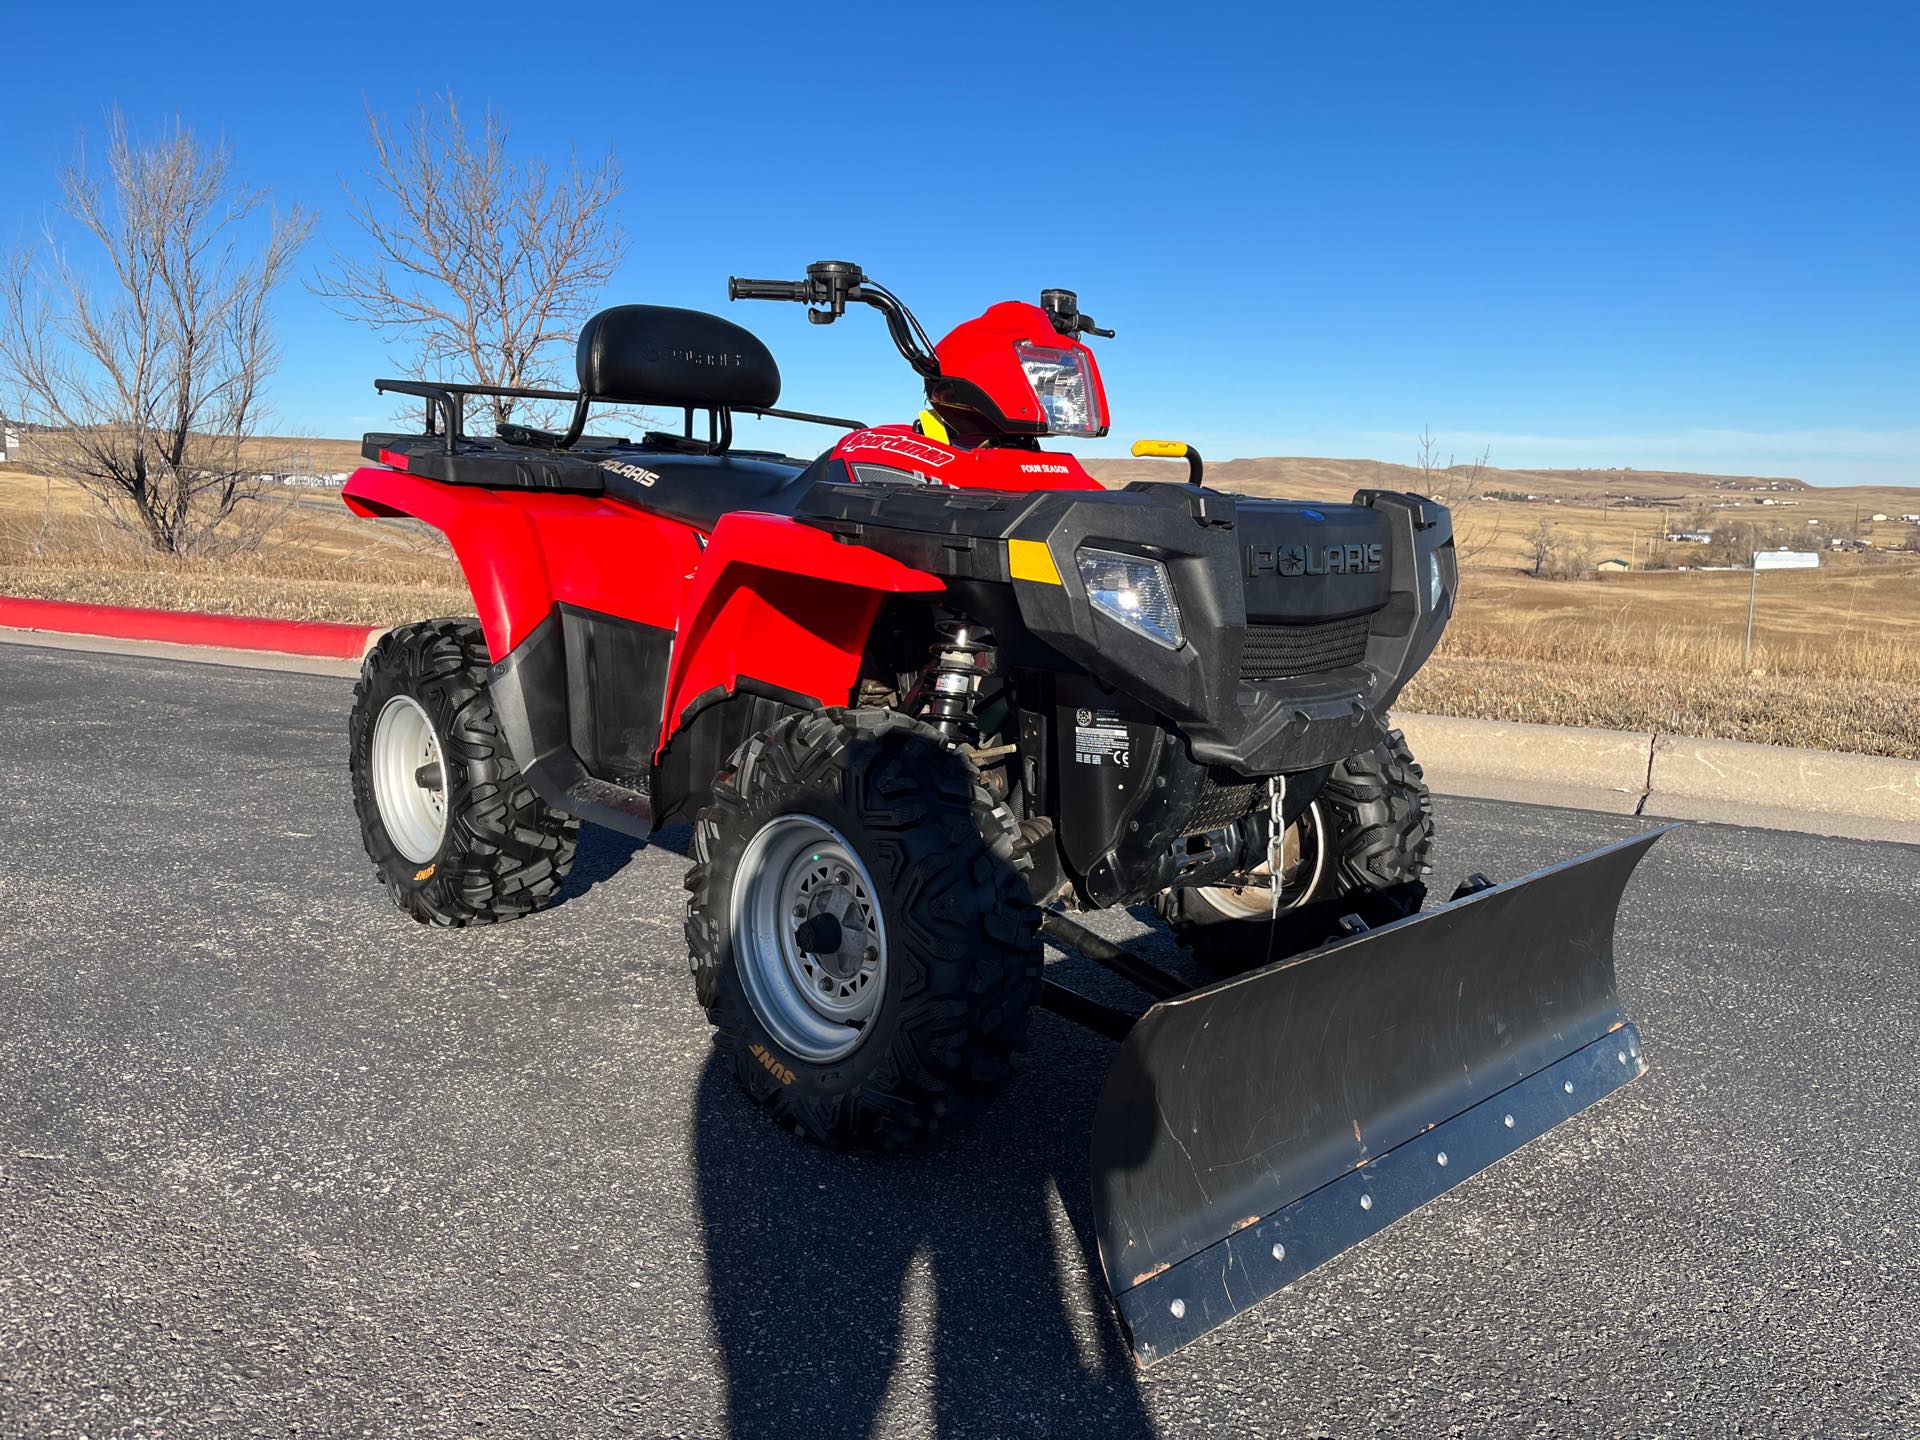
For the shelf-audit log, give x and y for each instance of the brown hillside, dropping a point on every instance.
(1321, 479)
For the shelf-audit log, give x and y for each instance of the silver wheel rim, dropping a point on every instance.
(409, 779)
(816, 1005)
(1256, 903)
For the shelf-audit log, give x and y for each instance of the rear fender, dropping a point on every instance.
(523, 552)
(495, 542)
(784, 605)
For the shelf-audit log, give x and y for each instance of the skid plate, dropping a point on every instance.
(1257, 1128)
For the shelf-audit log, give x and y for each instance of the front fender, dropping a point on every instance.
(784, 605)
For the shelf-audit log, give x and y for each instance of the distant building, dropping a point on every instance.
(1612, 565)
(1690, 537)
(1876, 517)
(9, 443)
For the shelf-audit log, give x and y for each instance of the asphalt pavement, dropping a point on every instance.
(274, 1159)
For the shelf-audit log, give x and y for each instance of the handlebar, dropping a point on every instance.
(739, 289)
(829, 286)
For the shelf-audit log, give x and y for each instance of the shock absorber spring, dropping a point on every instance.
(952, 678)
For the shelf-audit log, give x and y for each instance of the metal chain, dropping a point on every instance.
(1276, 848)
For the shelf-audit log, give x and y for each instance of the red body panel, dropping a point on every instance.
(764, 597)
(783, 603)
(901, 447)
(780, 602)
(523, 551)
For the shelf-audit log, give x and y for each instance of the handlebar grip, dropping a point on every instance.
(739, 289)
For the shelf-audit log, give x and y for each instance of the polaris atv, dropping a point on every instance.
(923, 696)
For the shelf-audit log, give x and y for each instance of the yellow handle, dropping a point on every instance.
(1161, 449)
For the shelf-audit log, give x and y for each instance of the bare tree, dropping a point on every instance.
(1540, 545)
(1460, 488)
(144, 387)
(1573, 559)
(481, 265)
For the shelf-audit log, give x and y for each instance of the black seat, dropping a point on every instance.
(659, 355)
(699, 489)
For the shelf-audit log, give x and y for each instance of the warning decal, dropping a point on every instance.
(1100, 738)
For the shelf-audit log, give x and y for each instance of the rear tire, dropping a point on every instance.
(939, 923)
(479, 845)
(1377, 828)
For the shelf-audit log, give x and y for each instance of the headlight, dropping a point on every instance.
(1062, 382)
(1133, 590)
(1443, 576)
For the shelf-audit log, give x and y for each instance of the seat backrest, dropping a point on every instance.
(659, 355)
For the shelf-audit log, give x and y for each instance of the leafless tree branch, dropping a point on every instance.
(145, 388)
(1459, 488)
(482, 265)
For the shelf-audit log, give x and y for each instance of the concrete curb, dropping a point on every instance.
(1544, 764)
(1868, 796)
(1823, 792)
(1865, 797)
(314, 639)
(277, 661)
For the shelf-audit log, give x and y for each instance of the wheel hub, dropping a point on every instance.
(808, 936)
(409, 778)
(1303, 861)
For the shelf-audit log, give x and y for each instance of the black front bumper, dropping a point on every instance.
(1263, 586)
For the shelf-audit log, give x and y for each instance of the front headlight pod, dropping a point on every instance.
(1062, 383)
(1133, 590)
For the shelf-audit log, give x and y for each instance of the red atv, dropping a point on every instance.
(928, 692)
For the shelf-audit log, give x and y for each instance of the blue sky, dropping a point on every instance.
(1657, 235)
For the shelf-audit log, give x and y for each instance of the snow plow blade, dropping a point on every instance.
(1257, 1128)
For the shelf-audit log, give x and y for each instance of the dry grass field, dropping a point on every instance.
(312, 560)
(1836, 655)
(1836, 659)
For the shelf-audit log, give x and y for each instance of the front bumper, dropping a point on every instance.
(1342, 596)
(1252, 578)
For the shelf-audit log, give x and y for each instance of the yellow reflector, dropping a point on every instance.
(1031, 560)
(1161, 449)
(932, 427)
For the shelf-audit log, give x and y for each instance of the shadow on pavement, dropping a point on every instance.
(601, 855)
(809, 1256)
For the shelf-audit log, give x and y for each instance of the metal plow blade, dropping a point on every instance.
(1257, 1128)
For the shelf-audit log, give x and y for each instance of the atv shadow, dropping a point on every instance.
(602, 854)
(945, 1280)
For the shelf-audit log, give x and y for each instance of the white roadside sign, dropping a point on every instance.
(1771, 560)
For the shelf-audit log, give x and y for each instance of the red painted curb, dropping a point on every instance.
(318, 639)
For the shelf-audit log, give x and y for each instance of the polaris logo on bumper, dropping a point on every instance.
(1315, 559)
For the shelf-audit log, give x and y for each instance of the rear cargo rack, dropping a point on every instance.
(446, 413)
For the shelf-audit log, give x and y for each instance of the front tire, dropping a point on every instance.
(899, 1019)
(1373, 824)
(452, 827)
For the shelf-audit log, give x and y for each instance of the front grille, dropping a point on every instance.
(1226, 798)
(1281, 652)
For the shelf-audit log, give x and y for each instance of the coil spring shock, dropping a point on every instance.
(952, 673)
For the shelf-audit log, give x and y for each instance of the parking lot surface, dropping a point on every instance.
(274, 1159)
